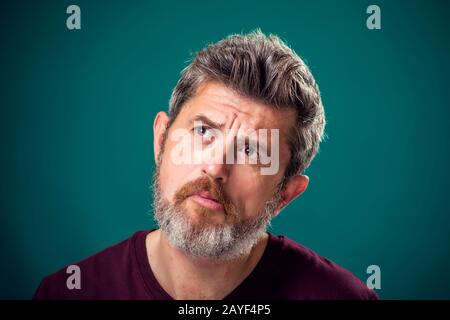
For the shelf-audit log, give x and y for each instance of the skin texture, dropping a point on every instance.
(187, 277)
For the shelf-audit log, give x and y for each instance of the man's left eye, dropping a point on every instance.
(250, 152)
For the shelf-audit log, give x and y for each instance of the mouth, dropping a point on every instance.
(206, 200)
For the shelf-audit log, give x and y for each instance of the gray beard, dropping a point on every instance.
(224, 242)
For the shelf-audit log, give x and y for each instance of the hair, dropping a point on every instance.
(265, 69)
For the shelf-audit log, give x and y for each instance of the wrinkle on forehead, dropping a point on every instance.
(222, 104)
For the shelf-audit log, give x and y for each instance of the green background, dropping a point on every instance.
(77, 109)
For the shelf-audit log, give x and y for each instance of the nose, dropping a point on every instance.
(218, 171)
(216, 165)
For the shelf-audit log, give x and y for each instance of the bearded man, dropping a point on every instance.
(245, 121)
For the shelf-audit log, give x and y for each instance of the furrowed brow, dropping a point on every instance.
(207, 121)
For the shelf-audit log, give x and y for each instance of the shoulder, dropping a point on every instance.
(95, 273)
(307, 275)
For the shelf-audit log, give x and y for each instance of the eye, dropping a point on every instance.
(251, 152)
(203, 132)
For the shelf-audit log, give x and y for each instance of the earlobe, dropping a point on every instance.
(295, 186)
(280, 207)
(303, 184)
(299, 185)
(159, 127)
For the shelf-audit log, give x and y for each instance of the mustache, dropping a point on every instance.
(205, 184)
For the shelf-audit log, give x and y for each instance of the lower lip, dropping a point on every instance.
(208, 203)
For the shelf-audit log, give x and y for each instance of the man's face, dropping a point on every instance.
(220, 195)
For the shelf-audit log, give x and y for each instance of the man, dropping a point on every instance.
(245, 121)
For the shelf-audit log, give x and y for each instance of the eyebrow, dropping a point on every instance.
(218, 125)
(208, 121)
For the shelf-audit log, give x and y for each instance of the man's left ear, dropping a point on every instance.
(294, 187)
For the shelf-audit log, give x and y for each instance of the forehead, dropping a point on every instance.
(221, 104)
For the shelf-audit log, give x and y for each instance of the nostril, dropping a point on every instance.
(214, 176)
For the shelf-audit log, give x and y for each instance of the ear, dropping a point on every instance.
(159, 128)
(294, 187)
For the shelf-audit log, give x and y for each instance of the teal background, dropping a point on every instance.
(77, 109)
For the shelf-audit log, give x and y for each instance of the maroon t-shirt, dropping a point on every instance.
(287, 270)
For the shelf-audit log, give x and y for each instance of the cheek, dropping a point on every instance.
(251, 191)
(174, 176)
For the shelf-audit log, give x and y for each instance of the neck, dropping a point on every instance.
(187, 277)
